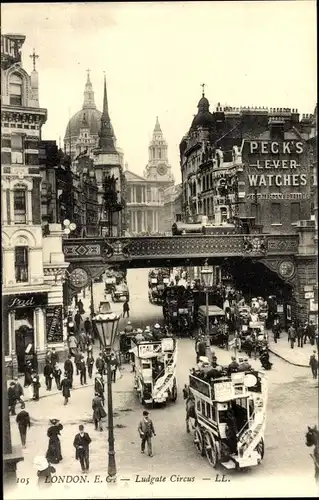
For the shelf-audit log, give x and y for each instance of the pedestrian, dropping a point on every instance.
(300, 335)
(65, 388)
(82, 369)
(68, 369)
(81, 443)
(35, 385)
(54, 357)
(90, 363)
(57, 372)
(80, 307)
(48, 355)
(126, 309)
(72, 342)
(19, 392)
(292, 335)
(77, 361)
(114, 365)
(98, 412)
(12, 399)
(99, 364)
(313, 363)
(27, 374)
(146, 432)
(82, 341)
(23, 421)
(48, 375)
(87, 326)
(44, 472)
(53, 455)
(77, 321)
(311, 332)
(99, 387)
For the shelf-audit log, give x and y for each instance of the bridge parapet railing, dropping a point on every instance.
(121, 249)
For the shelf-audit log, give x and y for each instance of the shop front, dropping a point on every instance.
(23, 328)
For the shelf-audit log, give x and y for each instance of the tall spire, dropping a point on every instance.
(157, 126)
(88, 93)
(106, 139)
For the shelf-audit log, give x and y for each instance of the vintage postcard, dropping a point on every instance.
(159, 224)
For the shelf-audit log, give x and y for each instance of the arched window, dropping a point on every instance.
(20, 205)
(15, 89)
(21, 264)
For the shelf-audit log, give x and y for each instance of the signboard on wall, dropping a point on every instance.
(54, 322)
(23, 300)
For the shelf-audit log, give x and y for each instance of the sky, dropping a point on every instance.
(157, 54)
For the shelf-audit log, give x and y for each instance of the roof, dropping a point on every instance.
(131, 177)
(93, 118)
(213, 310)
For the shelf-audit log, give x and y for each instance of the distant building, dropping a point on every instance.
(173, 206)
(145, 195)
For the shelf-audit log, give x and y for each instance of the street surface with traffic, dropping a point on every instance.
(287, 468)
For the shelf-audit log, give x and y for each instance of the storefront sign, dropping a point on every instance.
(54, 321)
(308, 288)
(309, 295)
(26, 300)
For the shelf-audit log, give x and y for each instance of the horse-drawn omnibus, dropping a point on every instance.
(229, 417)
(155, 370)
(178, 310)
(217, 324)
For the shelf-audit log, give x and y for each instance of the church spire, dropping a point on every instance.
(88, 93)
(157, 128)
(106, 139)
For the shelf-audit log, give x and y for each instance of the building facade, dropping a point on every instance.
(145, 195)
(250, 168)
(173, 208)
(30, 301)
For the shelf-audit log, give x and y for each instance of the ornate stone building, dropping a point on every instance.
(172, 206)
(32, 306)
(145, 195)
(249, 168)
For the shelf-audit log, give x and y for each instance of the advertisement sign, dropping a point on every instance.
(153, 280)
(167, 344)
(223, 391)
(144, 349)
(22, 300)
(308, 288)
(309, 295)
(54, 321)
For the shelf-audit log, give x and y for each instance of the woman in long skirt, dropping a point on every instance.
(53, 454)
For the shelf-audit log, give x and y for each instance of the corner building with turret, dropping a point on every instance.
(253, 168)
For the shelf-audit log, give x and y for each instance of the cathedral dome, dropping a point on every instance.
(93, 118)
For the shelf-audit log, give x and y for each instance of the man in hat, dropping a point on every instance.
(36, 385)
(23, 421)
(77, 361)
(114, 365)
(99, 387)
(233, 366)
(82, 368)
(139, 337)
(81, 444)
(48, 374)
(68, 369)
(65, 388)
(54, 357)
(12, 400)
(126, 309)
(313, 363)
(146, 432)
(244, 365)
(99, 364)
(57, 372)
(156, 331)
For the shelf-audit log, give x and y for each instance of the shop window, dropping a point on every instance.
(275, 213)
(19, 205)
(294, 212)
(15, 90)
(21, 264)
(17, 149)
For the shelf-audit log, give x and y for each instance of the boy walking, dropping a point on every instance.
(146, 432)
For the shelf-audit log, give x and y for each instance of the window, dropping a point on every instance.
(20, 206)
(204, 408)
(15, 90)
(223, 215)
(21, 264)
(17, 148)
(276, 213)
(294, 212)
(208, 413)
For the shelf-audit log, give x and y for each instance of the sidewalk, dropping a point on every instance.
(298, 356)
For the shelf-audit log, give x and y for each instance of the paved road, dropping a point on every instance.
(286, 470)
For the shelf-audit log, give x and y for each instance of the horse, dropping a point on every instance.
(190, 411)
(312, 439)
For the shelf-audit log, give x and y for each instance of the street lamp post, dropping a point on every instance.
(106, 327)
(207, 277)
